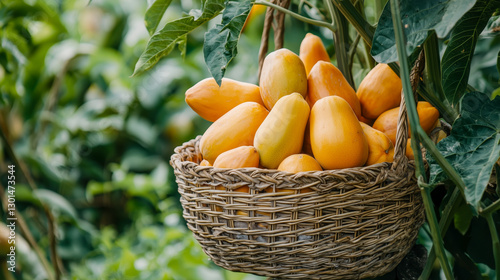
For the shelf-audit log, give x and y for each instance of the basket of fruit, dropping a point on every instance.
(288, 182)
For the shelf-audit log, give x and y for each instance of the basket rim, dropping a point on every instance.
(352, 176)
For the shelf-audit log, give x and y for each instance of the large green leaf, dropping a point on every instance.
(164, 41)
(419, 19)
(154, 14)
(457, 58)
(221, 41)
(473, 146)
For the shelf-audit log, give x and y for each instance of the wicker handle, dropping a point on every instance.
(400, 158)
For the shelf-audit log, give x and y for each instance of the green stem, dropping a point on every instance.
(297, 16)
(414, 126)
(435, 232)
(445, 165)
(407, 89)
(432, 80)
(363, 27)
(341, 42)
(492, 208)
(444, 223)
(495, 241)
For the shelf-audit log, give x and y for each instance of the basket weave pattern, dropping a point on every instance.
(356, 223)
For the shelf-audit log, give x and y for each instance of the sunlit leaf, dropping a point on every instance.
(457, 58)
(155, 13)
(221, 42)
(164, 41)
(419, 19)
(473, 146)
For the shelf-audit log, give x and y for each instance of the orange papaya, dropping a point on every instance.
(211, 102)
(311, 51)
(337, 138)
(326, 80)
(379, 91)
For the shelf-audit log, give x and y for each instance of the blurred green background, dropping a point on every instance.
(97, 141)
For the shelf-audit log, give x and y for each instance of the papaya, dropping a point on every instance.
(379, 91)
(387, 122)
(380, 147)
(282, 132)
(326, 80)
(205, 163)
(337, 139)
(409, 151)
(299, 163)
(211, 102)
(240, 157)
(306, 146)
(236, 128)
(311, 51)
(283, 73)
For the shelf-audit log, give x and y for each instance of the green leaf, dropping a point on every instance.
(154, 14)
(419, 19)
(164, 41)
(221, 42)
(473, 146)
(463, 218)
(457, 58)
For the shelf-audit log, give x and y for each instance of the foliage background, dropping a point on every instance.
(97, 141)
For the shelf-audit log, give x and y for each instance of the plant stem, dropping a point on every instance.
(492, 208)
(407, 89)
(363, 27)
(495, 241)
(435, 231)
(445, 165)
(341, 42)
(297, 16)
(432, 80)
(444, 223)
(414, 126)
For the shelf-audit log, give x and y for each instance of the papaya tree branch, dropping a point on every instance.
(295, 15)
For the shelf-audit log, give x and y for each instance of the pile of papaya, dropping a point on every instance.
(303, 115)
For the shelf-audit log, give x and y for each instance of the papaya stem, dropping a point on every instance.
(297, 16)
(415, 143)
(496, 242)
(444, 223)
(341, 40)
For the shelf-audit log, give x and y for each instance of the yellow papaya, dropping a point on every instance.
(387, 122)
(326, 80)
(282, 132)
(379, 91)
(282, 73)
(299, 163)
(337, 139)
(236, 128)
(380, 147)
(240, 157)
(311, 51)
(211, 102)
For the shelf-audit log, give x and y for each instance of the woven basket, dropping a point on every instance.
(356, 223)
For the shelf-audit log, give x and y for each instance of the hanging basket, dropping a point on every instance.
(351, 223)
